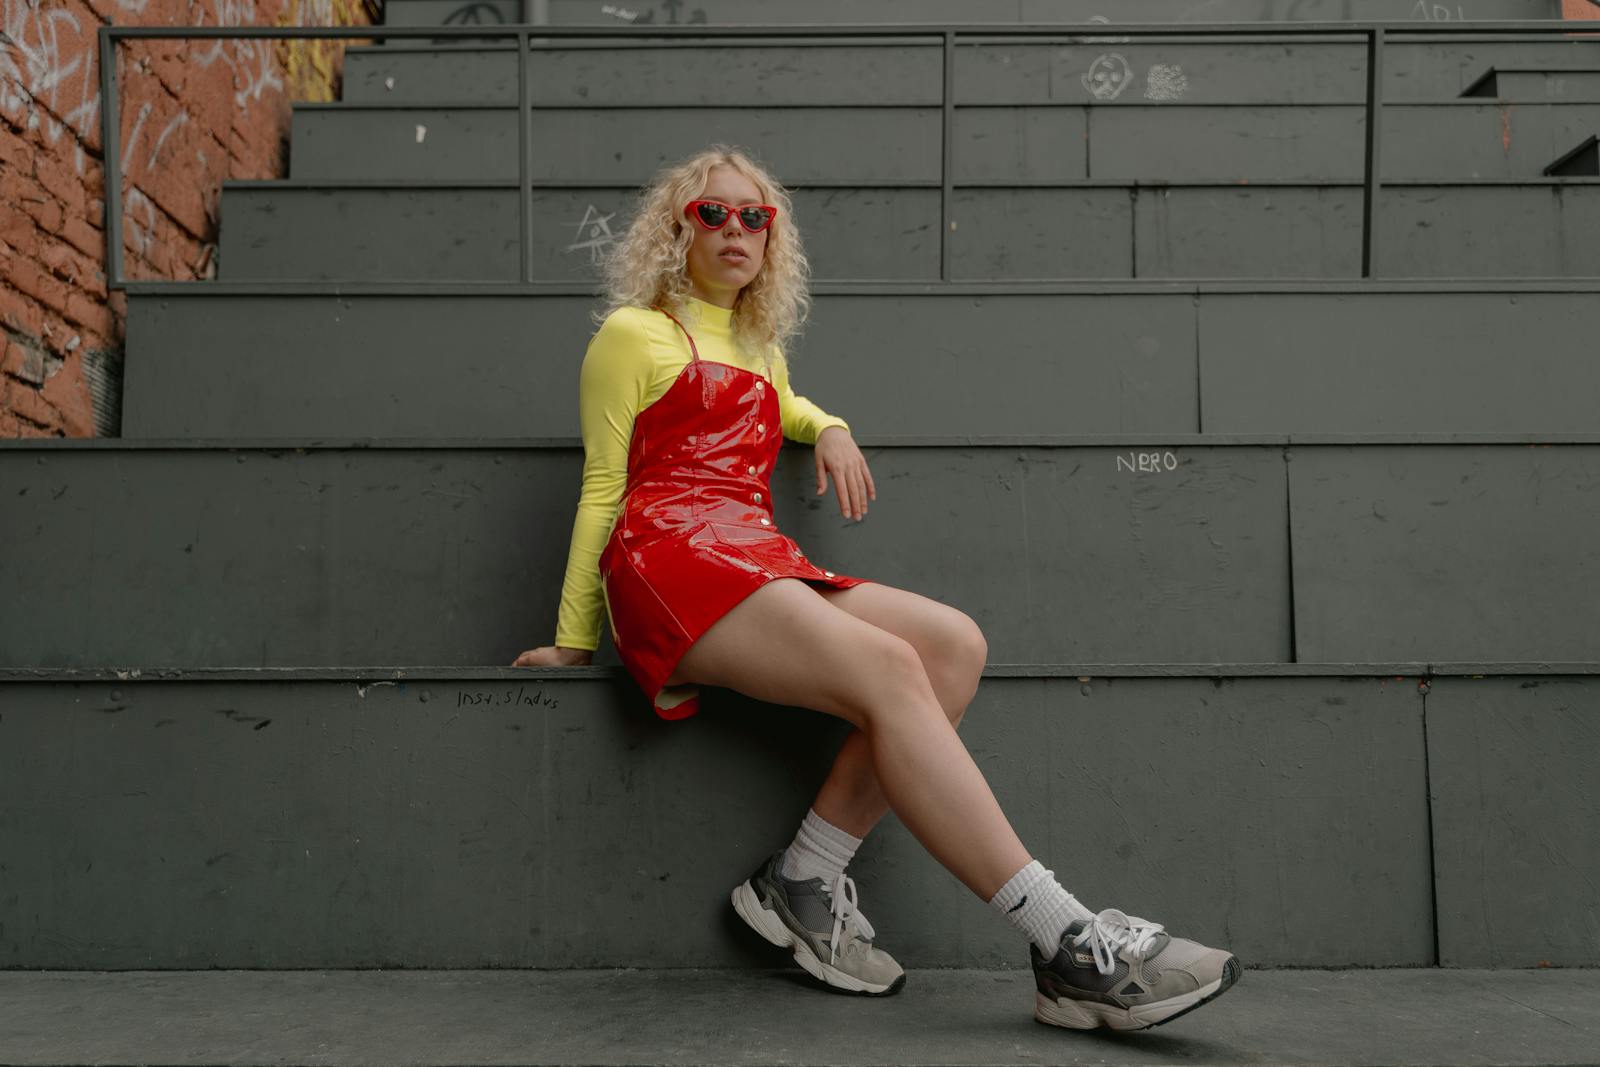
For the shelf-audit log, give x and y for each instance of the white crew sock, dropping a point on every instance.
(820, 850)
(1035, 903)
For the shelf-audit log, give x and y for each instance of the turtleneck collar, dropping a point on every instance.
(707, 314)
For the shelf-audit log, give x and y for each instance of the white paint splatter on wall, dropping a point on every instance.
(1165, 82)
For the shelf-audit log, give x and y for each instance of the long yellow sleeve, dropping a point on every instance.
(630, 364)
(612, 383)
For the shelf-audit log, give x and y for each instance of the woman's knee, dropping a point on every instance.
(897, 682)
(963, 651)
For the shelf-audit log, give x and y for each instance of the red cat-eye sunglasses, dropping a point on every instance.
(711, 214)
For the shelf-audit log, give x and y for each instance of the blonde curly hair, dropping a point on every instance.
(647, 266)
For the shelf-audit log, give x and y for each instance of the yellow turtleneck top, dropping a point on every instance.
(631, 362)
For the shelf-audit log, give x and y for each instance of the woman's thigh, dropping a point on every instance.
(938, 631)
(786, 644)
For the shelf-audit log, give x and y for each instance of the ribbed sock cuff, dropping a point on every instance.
(819, 850)
(1037, 905)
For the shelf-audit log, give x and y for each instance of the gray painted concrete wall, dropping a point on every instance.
(1454, 140)
(334, 556)
(1542, 229)
(1252, 358)
(589, 73)
(479, 823)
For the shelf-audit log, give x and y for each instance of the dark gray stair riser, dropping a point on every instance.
(466, 234)
(836, 12)
(1458, 140)
(1183, 554)
(542, 823)
(590, 74)
(435, 365)
(395, 557)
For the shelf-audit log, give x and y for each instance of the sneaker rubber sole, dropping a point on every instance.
(1090, 1015)
(766, 922)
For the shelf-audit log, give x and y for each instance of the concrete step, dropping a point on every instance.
(1136, 358)
(343, 553)
(1451, 140)
(1405, 1017)
(314, 230)
(910, 71)
(1528, 84)
(834, 12)
(1313, 815)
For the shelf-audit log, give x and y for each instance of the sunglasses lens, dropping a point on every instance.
(755, 218)
(711, 214)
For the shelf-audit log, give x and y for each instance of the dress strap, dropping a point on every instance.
(693, 351)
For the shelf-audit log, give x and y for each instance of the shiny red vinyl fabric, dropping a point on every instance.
(694, 534)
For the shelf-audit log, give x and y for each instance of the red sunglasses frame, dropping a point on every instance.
(689, 209)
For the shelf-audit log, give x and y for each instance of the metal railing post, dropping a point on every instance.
(1369, 200)
(525, 155)
(110, 134)
(947, 155)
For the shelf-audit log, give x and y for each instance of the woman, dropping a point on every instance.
(683, 393)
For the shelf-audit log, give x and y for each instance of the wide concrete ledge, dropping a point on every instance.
(776, 1017)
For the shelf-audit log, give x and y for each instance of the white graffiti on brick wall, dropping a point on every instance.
(47, 80)
(1108, 76)
(1165, 81)
(594, 234)
(254, 68)
(1434, 12)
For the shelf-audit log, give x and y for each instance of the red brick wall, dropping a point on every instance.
(191, 114)
(1579, 9)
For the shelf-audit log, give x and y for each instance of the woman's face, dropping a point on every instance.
(724, 260)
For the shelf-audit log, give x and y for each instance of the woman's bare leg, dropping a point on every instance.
(952, 650)
(786, 644)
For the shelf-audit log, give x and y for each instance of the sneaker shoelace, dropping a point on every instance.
(842, 900)
(1113, 929)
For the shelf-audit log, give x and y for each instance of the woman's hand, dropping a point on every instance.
(554, 656)
(836, 453)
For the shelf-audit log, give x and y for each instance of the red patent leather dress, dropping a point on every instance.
(694, 534)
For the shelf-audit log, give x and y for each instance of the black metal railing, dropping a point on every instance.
(949, 35)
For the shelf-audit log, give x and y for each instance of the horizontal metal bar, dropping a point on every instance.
(387, 184)
(1052, 287)
(1099, 32)
(1456, 103)
(926, 40)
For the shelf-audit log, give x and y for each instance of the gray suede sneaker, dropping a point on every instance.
(830, 938)
(1121, 971)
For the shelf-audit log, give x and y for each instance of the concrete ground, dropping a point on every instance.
(1429, 1016)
